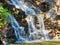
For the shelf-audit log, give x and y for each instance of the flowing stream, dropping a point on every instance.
(35, 22)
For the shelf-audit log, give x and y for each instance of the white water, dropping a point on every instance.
(35, 34)
(20, 5)
(18, 29)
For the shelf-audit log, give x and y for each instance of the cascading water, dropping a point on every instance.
(34, 33)
(20, 5)
(18, 29)
(36, 30)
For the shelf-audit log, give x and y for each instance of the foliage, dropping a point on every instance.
(4, 13)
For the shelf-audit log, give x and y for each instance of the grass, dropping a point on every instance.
(41, 43)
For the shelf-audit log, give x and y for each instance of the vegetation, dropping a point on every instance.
(4, 13)
(41, 43)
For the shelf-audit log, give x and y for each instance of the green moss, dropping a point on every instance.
(41, 43)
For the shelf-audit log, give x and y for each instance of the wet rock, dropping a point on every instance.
(10, 35)
(44, 6)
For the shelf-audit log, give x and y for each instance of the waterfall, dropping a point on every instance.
(20, 5)
(34, 33)
(33, 30)
(18, 29)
